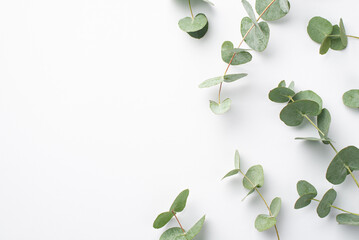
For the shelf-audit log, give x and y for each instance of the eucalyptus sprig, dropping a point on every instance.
(177, 233)
(256, 36)
(195, 26)
(307, 194)
(308, 105)
(320, 30)
(253, 180)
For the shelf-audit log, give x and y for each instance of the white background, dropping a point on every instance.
(102, 122)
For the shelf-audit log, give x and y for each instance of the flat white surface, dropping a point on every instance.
(102, 123)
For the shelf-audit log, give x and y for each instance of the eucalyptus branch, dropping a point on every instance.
(338, 208)
(253, 180)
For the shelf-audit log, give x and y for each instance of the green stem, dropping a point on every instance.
(265, 202)
(353, 36)
(190, 8)
(338, 208)
(174, 214)
(351, 174)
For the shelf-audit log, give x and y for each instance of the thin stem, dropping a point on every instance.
(265, 202)
(241, 42)
(351, 174)
(219, 93)
(338, 208)
(174, 214)
(353, 36)
(190, 8)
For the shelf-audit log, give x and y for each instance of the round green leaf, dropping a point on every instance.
(304, 200)
(195, 229)
(319, 28)
(264, 222)
(231, 173)
(337, 170)
(211, 82)
(274, 12)
(336, 41)
(323, 121)
(241, 55)
(196, 27)
(180, 202)
(172, 234)
(304, 187)
(348, 219)
(309, 95)
(351, 98)
(257, 41)
(162, 219)
(325, 204)
(255, 175)
(324, 47)
(221, 108)
(343, 35)
(236, 160)
(275, 206)
(281, 94)
(247, 6)
(293, 113)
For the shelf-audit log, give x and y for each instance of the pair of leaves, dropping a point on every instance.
(351, 98)
(263, 221)
(345, 160)
(196, 27)
(306, 193)
(236, 166)
(177, 206)
(322, 31)
(276, 11)
(241, 56)
(217, 80)
(177, 233)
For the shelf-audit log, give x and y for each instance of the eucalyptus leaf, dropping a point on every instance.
(336, 43)
(304, 187)
(254, 40)
(254, 177)
(324, 47)
(293, 113)
(211, 82)
(221, 108)
(275, 206)
(351, 98)
(348, 219)
(338, 168)
(234, 77)
(195, 229)
(172, 234)
(196, 27)
(343, 35)
(281, 94)
(291, 85)
(323, 122)
(264, 222)
(249, 193)
(274, 12)
(247, 6)
(319, 28)
(241, 55)
(312, 139)
(325, 204)
(231, 173)
(304, 200)
(309, 95)
(236, 160)
(180, 202)
(162, 219)
(282, 84)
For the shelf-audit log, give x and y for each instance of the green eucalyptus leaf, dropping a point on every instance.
(234, 77)
(211, 82)
(312, 139)
(338, 168)
(264, 222)
(304, 187)
(323, 121)
(319, 28)
(293, 113)
(162, 219)
(351, 98)
(221, 108)
(304, 200)
(348, 219)
(172, 234)
(236, 160)
(231, 173)
(254, 39)
(291, 85)
(275, 206)
(196, 27)
(275, 11)
(247, 6)
(281, 94)
(309, 95)
(282, 84)
(195, 229)
(324, 47)
(254, 177)
(343, 35)
(180, 202)
(336, 41)
(325, 204)
(249, 193)
(241, 55)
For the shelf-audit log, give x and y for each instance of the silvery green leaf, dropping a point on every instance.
(221, 108)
